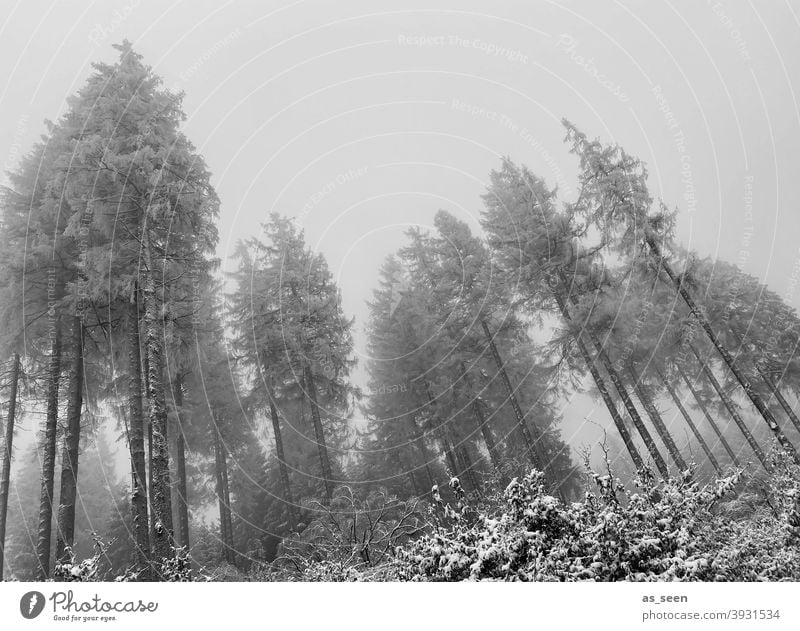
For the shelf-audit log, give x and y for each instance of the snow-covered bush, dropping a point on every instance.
(72, 570)
(766, 545)
(176, 569)
(675, 530)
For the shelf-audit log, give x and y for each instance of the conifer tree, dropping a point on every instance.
(293, 337)
(615, 198)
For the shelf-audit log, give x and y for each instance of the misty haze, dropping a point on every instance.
(358, 291)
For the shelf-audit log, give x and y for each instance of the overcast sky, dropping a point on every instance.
(362, 118)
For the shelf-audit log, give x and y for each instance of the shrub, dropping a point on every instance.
(675, 530)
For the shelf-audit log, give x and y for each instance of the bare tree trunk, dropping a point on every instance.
(181, 495)
(223, 523)
(534, 446)
(698, 436)
(469, 471)
(661, 465)
(709, 418)
(148, 430)
(419, 440)
(444, 436)
(150, 490)
(488, 438)
(732, 410)
(619, 423)
(450, 457)
(139, 512)
(655, 417)
(319, 433)
(8, 448)
(222, 495)
(160, 491)
(779, 396)
(531, 446)
(65, 534)
(478, 411)
(45, 535)
(282, 466)
(623, 393)
(415, 487)
(226, 494)
(726, 356)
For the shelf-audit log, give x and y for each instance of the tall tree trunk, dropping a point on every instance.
(223, 523)
(731, 409)
(222, 496)
(599, 381)
(148, 430)
(479, 412)
(139, 512)
(709, 418)
(45, 535)
(65, 534)
(444, 435)
(698, 436)
(469, 471)
(319, 433)
(531, 446)
(488, 438)
(283, 468)
(619, 386)
(8, 447)
(623, 393)
(160, 487)
(534, 446)
(450, 458)
(655, 417)
(181, 495)
(226, 494)
(759, 403)
(779, 396)
(150, 489)
(419, 440)
(415, 487)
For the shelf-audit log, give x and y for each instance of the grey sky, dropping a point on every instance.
(365, 117)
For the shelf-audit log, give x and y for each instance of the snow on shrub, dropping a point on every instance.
(669, 530)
